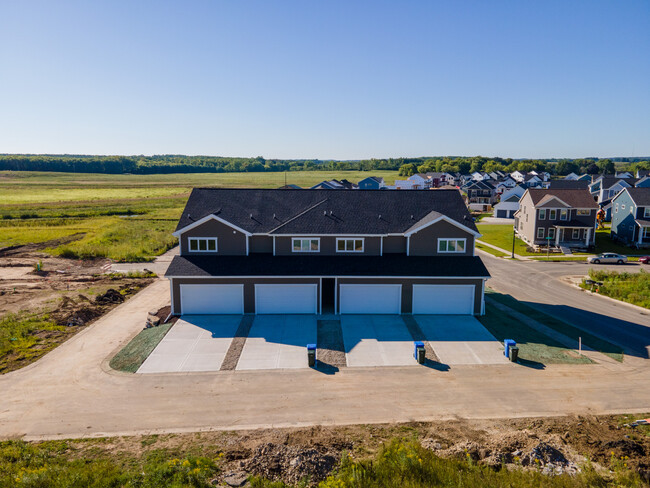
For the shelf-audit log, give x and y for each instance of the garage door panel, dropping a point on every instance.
(371, 299)
(212, 299)
(443, 299)
(289, 298)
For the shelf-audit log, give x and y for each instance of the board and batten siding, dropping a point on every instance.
(425, 241)
(229, 241)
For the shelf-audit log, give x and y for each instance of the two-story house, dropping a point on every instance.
(631, 217)
(335, 185)
(557, 217)
(372, 183)
(480, 194)
(509, 202)
(260, 251)
(606, 187)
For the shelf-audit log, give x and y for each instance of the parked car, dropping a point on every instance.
(607, 258)
(644, 259)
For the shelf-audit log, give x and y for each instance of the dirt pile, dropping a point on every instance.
(291, 463)
(111, 296)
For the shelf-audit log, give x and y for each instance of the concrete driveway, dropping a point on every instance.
(377, 340)
(278, 342)
(460, 339)
(194, 343)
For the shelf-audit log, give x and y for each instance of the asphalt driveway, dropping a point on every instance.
(460, 339)
(278, 342)
(194, 343)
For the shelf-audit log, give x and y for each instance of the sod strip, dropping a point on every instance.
(331, 350)
(237, 344)
(418, 335)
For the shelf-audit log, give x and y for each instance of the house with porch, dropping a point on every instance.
(559, 218)
(631, 217)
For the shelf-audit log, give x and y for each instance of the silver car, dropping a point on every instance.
(607, 258)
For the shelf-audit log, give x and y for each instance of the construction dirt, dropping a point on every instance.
(551, 445)
(69, 294)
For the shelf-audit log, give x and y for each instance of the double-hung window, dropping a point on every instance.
(202, 244)
(349, 245)
(552, 214)
(304, 244)
(551, 232)
(542, 214)
(576, 233)
(540, 232)
(646, 212)
(564, 213)
(451, 245)
(583, 212)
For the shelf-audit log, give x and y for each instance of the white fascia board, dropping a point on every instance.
(447, 219)
(204, 220)
(336, 277)
(548, 198)
(332, 235)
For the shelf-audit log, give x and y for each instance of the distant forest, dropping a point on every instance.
(215, 164)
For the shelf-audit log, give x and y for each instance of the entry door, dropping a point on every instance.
(212, 299)
(371, 299)
(290, 298)
(443, 299)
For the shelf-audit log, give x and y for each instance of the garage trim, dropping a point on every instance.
(470, 306)
(343, 286)
(237, 308)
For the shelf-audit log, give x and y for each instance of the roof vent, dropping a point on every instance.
(251, 216)
(330, 212)
(324, 212)
(273, 216)
(411, 216)
(379, 216)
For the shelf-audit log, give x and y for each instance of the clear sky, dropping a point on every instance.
(326, 79)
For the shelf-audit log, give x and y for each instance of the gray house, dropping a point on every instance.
(372, 183)
(559, 217)
(308, 251)
(631, 217)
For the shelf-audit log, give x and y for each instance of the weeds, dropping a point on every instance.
(633, 288)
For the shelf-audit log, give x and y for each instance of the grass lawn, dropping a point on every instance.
(501, 236)
(121, 217)
(534, 347)
(131, 357)
(633, 288)
(488, 249)
(568, 330)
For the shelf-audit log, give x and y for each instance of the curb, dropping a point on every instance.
(570, 282)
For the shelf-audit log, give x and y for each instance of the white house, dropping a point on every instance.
(509, 203)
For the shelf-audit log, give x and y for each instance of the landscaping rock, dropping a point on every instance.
(236, 478)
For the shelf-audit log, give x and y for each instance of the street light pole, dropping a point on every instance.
(513, 242)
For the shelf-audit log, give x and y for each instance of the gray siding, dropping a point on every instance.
(229, 241)
(394, 245)
(261, 244)
(371, 246)
(425, 242)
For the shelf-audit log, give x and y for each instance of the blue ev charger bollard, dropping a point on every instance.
(311, 355)
(507, 344)
(418, 352)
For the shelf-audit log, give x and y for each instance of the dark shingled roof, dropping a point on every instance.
(607, 181)
(575, 198)
(324, 211)
(640, 196)
(386, 265)
(569, 184)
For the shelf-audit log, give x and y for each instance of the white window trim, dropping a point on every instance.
(566, 213)
(576, 234)
(554, 210)
(583, 212)
(551, 230)
(646, 232)
(305, 239)
(646, 212)
(463, 239)
(542, 234)
(542, 214)
(363, 244)
(196, 239)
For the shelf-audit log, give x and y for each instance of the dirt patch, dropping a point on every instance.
(39, 246)
(331, 350)
(550, 446)
(237, 345)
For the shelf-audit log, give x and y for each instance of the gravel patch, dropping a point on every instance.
(237, 344)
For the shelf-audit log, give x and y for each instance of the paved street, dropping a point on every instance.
(537, 284)
(72, 392)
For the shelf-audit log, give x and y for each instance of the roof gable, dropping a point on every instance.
(576, 198)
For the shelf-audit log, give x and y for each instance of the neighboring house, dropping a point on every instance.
(642, 173)
(505, 183)
(532, 181)
(561, 217)
(509, 203)
(624, 174)
(335, 185)
(607, 187)
(631, 217)
(420, 181)
(439, 179)
(518, 176)
(256, 251)
(481, 195)
(372, 183)
(643, 182)
(585, 177)
(569, 185)
(290, 187)
(404, 185)
(571, 176)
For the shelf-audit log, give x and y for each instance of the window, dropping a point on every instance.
(552, 214)
(551, 232)
(203, 244)
(646, 212)
(451, 245)
(576, 233)
(616, 209)
(305, 245)
(542, 214)
(583, 212)
(540, 232)
(563, 214)
(646, 232)
(622, 206)
(349, 245)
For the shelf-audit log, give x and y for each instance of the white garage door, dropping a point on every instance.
(212, 299)
(371, 299)
(443, 299)
(286, 299)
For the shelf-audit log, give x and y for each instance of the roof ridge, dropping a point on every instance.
(298, 215)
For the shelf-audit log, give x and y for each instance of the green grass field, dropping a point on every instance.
(121, 217)
(633, 288)
(135, 352)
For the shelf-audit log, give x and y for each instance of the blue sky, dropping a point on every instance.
(329, 79)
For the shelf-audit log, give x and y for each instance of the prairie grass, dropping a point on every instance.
(633, 288)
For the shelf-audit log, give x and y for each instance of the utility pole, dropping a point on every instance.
(513, 242)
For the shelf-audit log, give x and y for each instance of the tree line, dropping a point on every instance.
(217, 164)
